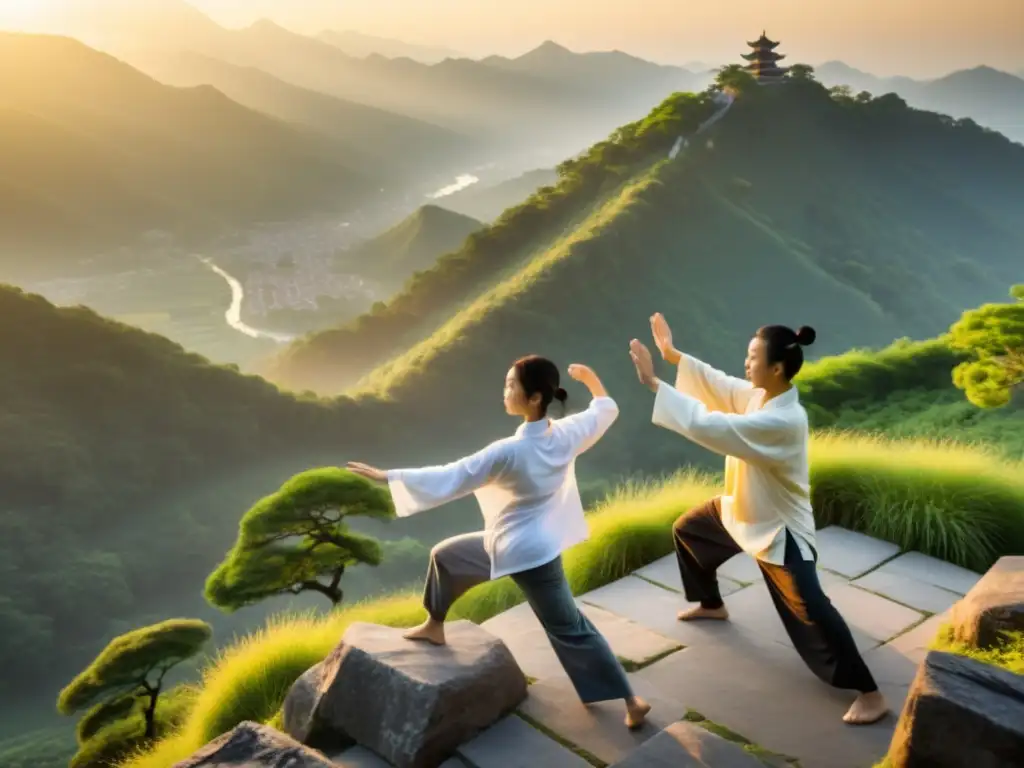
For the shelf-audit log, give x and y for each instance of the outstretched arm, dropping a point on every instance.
(582, 430)
(762, 437)
(717, 390)
(417, 490)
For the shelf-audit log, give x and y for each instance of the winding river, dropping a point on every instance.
(233, 315)
(461, 182)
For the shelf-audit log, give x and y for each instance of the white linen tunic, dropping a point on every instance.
(767, 475)
(525, 486)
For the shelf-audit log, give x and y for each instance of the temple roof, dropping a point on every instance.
(763, 42)
(763, 56)
(759, 71)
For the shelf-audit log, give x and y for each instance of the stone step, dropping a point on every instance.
(686, 745)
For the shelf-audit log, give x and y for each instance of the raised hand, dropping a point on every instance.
(641, 358)
(663, 338)
(586, 376)
(365, 470)
(582, 373)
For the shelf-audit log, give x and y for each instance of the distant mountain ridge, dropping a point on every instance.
(404, 146)
(412, 245)
(362, 45)
(988, 96)
(512, 106)
(96, 153)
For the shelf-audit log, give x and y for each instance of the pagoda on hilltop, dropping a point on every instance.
(763, 60)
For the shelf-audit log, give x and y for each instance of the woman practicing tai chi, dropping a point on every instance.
(526, 488)
(761, 428)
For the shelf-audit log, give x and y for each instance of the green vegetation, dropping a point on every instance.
(486, 202)
(411, 246)
(120, 453)
(40, 748)
(84, 172)
(127, 680)
(905, 390)
(297, 536)
(993, 336)
(251, 678)
(331, 360)
(1009, 654)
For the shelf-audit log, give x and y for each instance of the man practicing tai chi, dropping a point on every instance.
(761, 428)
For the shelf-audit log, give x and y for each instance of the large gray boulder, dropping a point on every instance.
(685, 745)
(412, 703)
(960, 712)
(251, 745)
(994, 605)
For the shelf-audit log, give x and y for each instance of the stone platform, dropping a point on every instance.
(741, 679)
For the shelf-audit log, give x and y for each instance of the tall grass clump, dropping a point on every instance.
(250, 678)
(962, 504)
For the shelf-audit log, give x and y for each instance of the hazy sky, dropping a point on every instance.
(913, 37)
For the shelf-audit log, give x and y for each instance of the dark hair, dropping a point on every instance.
(783, 345)
(538, 374)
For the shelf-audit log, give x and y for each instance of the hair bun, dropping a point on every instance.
(806, 336)
(561, 395)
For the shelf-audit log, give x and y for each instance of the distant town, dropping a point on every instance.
(292, 267)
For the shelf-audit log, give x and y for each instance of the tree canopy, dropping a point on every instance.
(993, 335)
(296, 540)
(127, 676)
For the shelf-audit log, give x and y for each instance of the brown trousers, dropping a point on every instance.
(813, 624)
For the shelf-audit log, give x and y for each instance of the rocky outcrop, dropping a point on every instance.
(685, 745)
(251, 745)
(960, 712)
(994, 605)
(412, 703)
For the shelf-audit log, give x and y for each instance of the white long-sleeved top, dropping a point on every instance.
(525, 485)
(767, 475)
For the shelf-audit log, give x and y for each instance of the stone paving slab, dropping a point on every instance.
(741, 568)
(361, 757)
(529, 644)
(513, 743)
(850, 553)
(872, 615)
(599, 728)
(929, 570)
(895, 663)
(767, 695)
(916, 594)
(656, 608)
(685, 745)
(666, 573)
(753, 612)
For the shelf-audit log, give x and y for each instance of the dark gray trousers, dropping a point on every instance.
(813, 624)
(460, 563)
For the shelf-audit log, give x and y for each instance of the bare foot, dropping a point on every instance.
(700, 612)
(636, 712)
(430, 631)
(866, 709)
